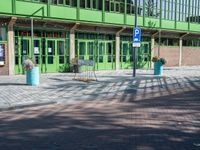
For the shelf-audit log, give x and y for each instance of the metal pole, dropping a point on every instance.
(134, 48)
(159, 40)
(32, 46)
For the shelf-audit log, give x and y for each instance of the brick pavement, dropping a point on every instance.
(115, 113)
(112, 85)
(164, 123)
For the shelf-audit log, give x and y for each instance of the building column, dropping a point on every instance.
(181, 48)
(180, 51)
(72, 44)
(72, 40)
(117, 52)
(152, 46)
(152, 50)
(117, 47)
(11, 51)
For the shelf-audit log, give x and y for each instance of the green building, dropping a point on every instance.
(98, 30)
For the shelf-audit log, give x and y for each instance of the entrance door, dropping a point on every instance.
(22, 51)
(54, 55)
(105, 55)
(126, 55)
(82, 50)
(62, 56)
(110, 56)
(37, 50)
(86, 50)
(144, 56)
(51, 54)
(101, 59)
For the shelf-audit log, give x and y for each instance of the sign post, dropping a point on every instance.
(136, 38)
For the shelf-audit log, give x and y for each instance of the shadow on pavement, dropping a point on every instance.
(13, 84)
(164, 123)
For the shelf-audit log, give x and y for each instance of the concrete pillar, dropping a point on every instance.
(117, 52)
(152, 49)
(180, 51)
(11, 51)
(72, 44)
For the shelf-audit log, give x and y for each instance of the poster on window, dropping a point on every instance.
(36, 50)
(2, 51)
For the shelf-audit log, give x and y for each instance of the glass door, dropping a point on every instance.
(82, 50)
(126, 55)
(86, 50)
(22, 52)
(144, 56)
(51, 54)
(109, 56)
(90, 50)
(18, 63)
(61, 58)
(105, 55)
(37, 52)
(101, 56)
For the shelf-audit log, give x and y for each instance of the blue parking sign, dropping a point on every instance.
(136, 37)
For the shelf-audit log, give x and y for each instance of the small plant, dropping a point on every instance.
(161, 60)
(28, 64)
(155, 58)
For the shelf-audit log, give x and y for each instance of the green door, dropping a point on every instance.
(126, 55)
(110, 56)
(105, 55)
(102, 53)
(22, 51)
(101, 59)
(54, 56)
(62, 63)
(144, 55)
(37, 50)
(86, 50)
(51, 55)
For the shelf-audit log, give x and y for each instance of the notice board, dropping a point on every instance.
(2, 54)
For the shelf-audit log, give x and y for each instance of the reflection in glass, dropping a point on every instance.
(51, 52)
(100, 59)
(61, 59)
(82, 48)
(109, 49)
(25, 47)
(125, 48)
(60, 47)
(90, 48)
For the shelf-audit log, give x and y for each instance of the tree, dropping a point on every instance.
(150, 6)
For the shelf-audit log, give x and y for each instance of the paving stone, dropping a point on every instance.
(110, 85)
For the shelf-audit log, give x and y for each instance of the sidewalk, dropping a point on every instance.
(114, 86)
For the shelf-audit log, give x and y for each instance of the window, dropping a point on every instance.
(88, 4)
(191, 42)
(82, 3)
(60, 2)
(67, 2)
(3, 35)
(167, 42)
(152, 8)
(54, 2)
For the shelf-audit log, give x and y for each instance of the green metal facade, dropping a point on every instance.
(54, 21)
(52, 10)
